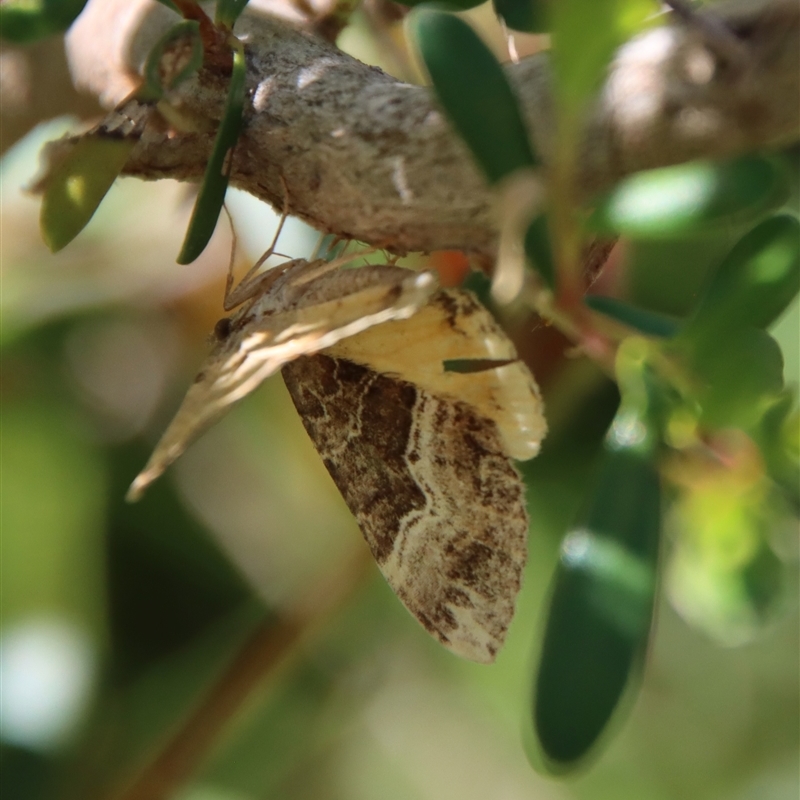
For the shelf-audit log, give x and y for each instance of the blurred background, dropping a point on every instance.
(243, 569)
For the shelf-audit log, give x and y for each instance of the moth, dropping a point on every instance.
(422, 455)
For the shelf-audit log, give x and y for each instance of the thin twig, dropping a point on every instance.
(267, 648)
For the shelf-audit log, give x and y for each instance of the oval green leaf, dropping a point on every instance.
(75, 187)
(737, 377)
(674, 201)
(600, 611)
(754, 284)
(472, 88)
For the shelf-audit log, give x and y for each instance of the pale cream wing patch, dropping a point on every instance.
(437, 498)
(456, 326)
(288, 321)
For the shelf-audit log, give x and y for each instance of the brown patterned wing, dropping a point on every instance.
(439, 502)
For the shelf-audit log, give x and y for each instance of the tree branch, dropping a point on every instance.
(369, 157)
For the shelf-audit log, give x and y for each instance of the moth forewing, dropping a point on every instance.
(437, 499)
(278, 327)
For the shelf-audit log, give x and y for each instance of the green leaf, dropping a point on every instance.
(601, 607)
(228, 11)
(754, 284)
(154, 87)
(532, 16)
(738, 377)
(75, 187)
(23, 21)
(650, 323)
(778, 437)
(675, 201)
(474, 92)
(215, 181)
(731, 603)
(586, 33)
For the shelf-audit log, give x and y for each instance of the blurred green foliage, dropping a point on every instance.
(703, 393)
(24, 21)
(167, 591)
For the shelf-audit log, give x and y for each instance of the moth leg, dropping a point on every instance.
(252, 284)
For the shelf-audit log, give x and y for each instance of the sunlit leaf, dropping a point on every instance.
(754, 284)
(473, 90)
(75, 187)
(724, 576)
(601, 607)
(674, 201)
(600, 610)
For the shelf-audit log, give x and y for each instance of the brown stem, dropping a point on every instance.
(269, 645)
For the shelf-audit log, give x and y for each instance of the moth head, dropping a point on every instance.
(222, 329)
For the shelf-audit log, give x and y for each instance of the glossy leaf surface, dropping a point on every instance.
(679, 200)
(472, 88)
(600, 610)
(754, 284)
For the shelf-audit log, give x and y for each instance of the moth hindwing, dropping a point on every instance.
(422, 457)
